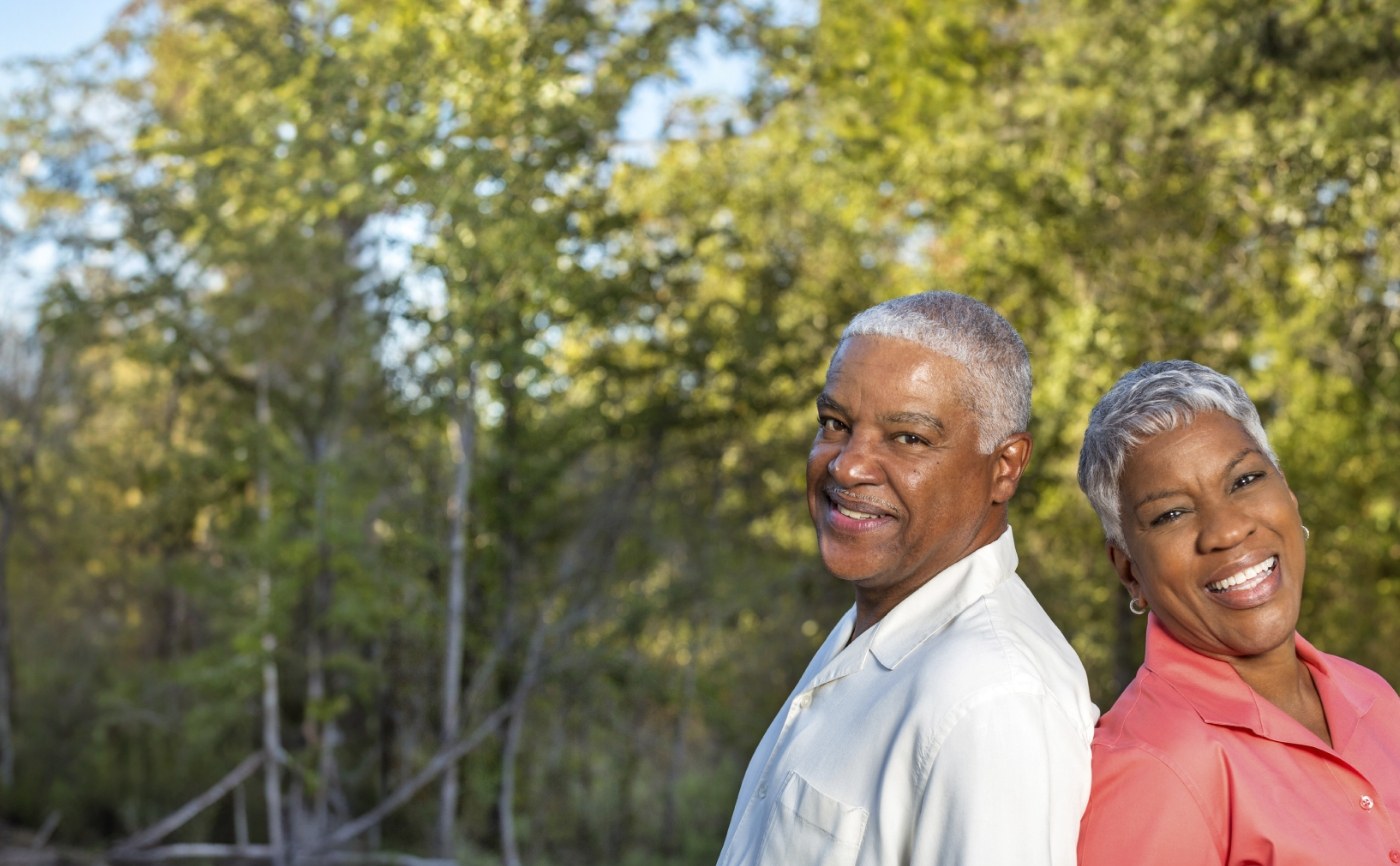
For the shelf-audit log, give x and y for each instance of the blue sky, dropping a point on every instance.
(44, 28)
(51, 27)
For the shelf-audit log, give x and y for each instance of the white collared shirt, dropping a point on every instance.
(953, 732)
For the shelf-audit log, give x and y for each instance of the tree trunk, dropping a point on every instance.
(323, 445)
(510, 750)
(462, 436)
(271, 704)
(323, 735)
(670, 822)
(317, 730)
(510, 847)
(7, 738)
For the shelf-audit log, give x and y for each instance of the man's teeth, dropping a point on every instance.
(1251, 573)
(855, 515)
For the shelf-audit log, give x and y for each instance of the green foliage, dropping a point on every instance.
(390, 213)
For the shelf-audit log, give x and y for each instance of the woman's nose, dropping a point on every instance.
(1224, 526)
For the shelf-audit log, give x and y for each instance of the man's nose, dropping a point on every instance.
(856, 462)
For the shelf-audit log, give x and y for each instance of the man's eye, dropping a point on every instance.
(910, 439)
(830, 425)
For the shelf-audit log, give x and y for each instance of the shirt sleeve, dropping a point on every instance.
(1006, 787)
(1143, 812)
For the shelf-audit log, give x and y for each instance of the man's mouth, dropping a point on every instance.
(1245, 579)
(854, 514)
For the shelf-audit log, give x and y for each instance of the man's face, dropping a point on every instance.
(896, 485)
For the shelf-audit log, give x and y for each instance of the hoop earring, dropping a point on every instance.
(1137, 606)
(1307, 533)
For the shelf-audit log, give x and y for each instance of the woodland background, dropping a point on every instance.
(386, 408)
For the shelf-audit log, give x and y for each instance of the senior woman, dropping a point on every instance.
(1237, 742)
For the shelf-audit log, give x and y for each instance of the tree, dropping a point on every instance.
(399, 409)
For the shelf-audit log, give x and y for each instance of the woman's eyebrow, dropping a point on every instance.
(1239, 458)
(1229, 467)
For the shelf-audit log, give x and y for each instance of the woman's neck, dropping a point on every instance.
(1284, 680)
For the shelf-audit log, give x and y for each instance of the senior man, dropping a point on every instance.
(945, 720)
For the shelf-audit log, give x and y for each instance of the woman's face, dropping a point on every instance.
(1214, 542)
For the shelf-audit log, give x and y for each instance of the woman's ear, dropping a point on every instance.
(1124, 568)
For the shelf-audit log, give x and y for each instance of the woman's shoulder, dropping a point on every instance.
(1357, 674)
(1363, 688)
(1152, 747)
(1152, 718)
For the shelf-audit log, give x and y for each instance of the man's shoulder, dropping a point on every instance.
(1004, 643)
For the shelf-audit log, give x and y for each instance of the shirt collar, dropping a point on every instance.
(1344, 698)
(838, 656)
(1218, 694)
(932, 606)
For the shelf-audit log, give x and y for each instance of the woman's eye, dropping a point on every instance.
(1248, 479)
(1167, 516)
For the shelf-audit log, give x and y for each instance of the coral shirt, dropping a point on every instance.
(1192, 766)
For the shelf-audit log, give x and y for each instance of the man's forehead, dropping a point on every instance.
(912, 351)
(896, 356)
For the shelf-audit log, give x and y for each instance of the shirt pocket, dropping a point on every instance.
(808, 828)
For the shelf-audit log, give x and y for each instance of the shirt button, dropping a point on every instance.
(1367, 803)
(763, 791)
(804, 702)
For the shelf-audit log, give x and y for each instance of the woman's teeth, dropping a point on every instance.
(1253, 573)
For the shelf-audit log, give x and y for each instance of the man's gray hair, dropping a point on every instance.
(1157, 397)
(976, 336)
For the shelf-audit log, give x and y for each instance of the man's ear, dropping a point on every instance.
(1012, 457)
(1123, 567)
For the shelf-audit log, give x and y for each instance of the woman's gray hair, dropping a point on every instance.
(976, 336)
(1156, 397)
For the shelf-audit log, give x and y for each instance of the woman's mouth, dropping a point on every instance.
(1245, 579)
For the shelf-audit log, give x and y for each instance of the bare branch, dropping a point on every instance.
(180, 816)
(405, 792)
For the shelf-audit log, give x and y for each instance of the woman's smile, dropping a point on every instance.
(1214, 542)
(1248, 587)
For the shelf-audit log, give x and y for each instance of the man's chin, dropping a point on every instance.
(857, 573)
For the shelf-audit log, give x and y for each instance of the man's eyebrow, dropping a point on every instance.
(918, 419)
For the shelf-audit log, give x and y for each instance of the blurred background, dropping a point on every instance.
(403, 404)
